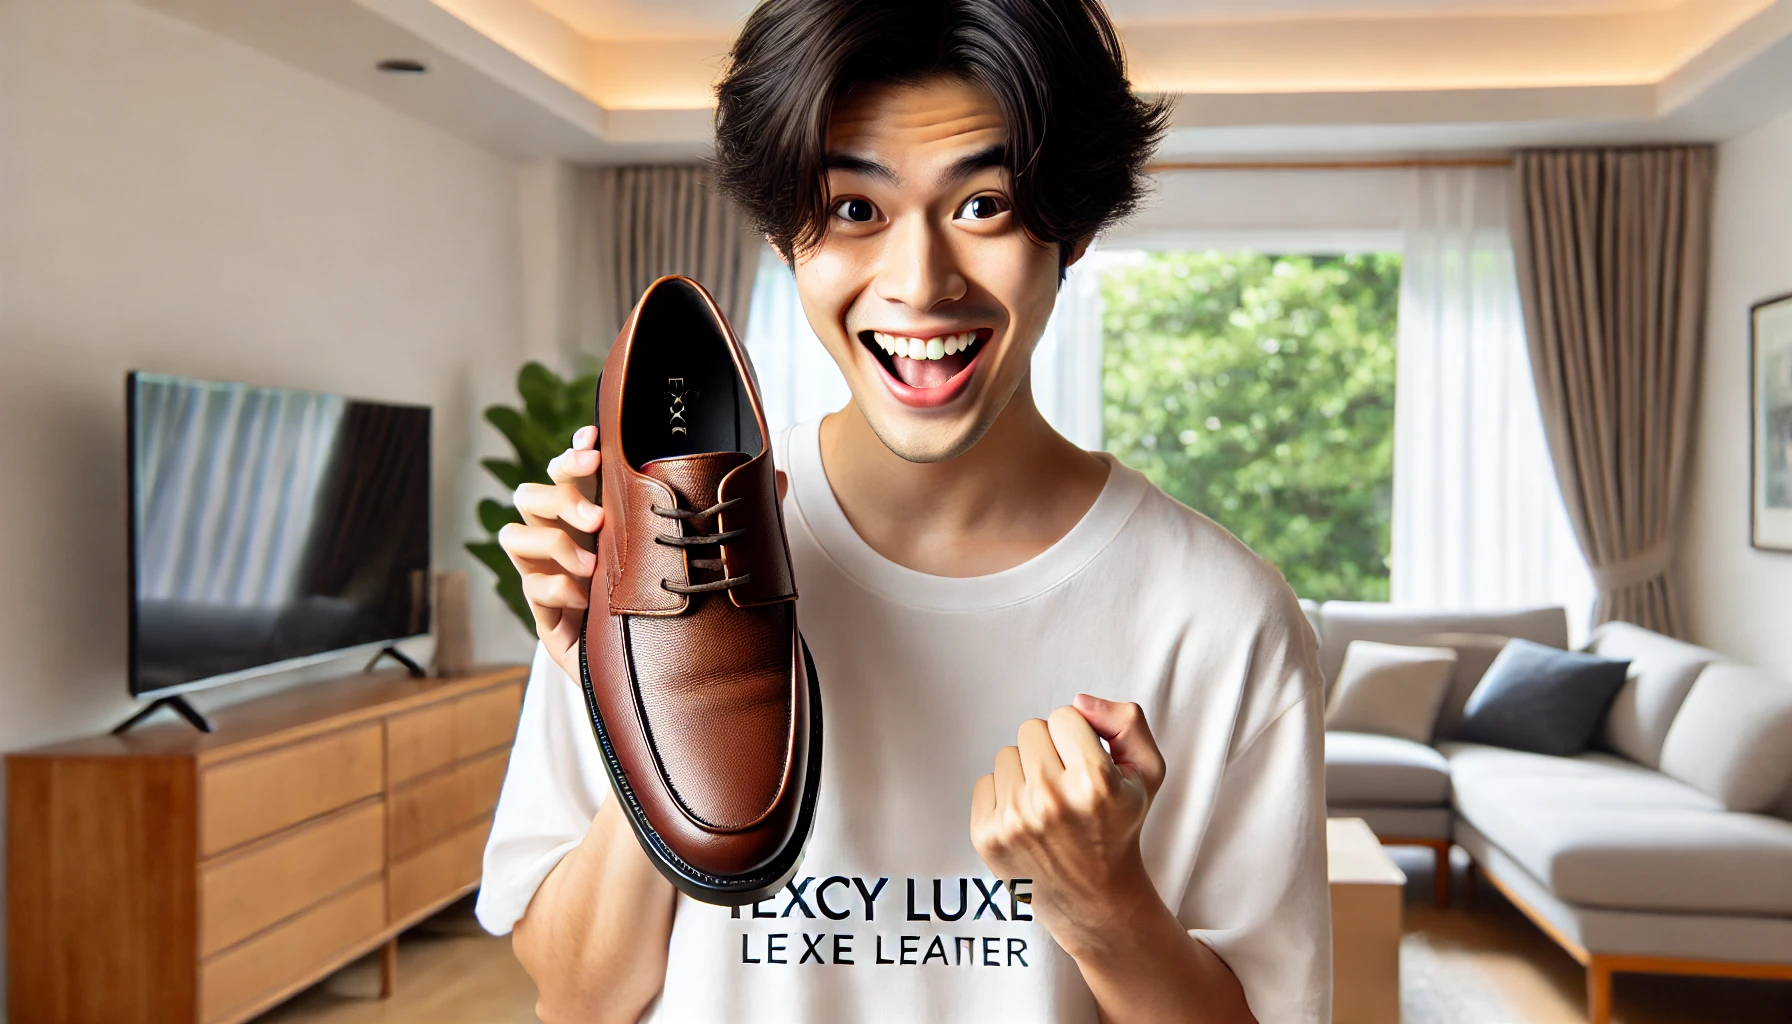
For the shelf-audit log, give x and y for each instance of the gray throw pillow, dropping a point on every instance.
(1474, 656)
(1541, 699)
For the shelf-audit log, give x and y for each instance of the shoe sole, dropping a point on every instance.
(700, 885)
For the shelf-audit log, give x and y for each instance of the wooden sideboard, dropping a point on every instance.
(168, 876)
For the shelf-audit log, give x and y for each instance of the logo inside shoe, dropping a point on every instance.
(678, 401)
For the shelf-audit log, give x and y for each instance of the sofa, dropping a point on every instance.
(1666, 848)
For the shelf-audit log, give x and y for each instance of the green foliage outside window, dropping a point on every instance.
(1259, 390)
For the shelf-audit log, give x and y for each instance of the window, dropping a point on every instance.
(1259, 390)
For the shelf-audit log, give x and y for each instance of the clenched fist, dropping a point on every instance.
(1064, 812)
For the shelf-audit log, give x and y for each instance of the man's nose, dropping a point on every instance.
(919, 269)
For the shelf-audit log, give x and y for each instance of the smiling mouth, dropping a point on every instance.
(925, 363)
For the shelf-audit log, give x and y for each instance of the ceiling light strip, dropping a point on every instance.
(1325, 165)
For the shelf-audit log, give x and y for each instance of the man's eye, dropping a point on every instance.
(983, 207)
(859, 211)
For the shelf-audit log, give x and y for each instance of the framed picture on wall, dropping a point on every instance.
(1770, 359)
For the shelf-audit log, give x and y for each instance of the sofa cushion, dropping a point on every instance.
(1311, 610)
(1362, 769)
(1601, 831)
(1343, 621)
(1474, 655)
(1733, 737)
(1541, 699)
(1390, 690)
(1662, 670)
(1606, 931)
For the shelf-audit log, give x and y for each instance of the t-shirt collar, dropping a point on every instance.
(820, 512)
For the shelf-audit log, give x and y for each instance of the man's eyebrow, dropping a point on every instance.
(964, 167)
(860, 165)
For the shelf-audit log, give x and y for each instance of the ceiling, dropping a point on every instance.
(627, 80)
(648, 19)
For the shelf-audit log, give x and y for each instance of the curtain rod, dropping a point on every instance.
(1325, 165)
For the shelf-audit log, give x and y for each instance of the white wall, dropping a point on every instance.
(173, 202)
(1740, 599)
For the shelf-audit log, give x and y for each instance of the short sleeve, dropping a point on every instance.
(552, 790)
(1259, 896)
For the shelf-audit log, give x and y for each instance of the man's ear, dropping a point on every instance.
(1077, 251)
(788, 264)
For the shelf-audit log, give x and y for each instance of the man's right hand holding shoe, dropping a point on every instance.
(594, 937)
(553, 547)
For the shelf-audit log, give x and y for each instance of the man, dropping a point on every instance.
(1155, 853)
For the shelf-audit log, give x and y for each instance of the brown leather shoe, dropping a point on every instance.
(701, 691)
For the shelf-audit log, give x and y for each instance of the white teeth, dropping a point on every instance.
(924, 348)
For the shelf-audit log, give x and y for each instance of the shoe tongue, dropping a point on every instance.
(696, 479)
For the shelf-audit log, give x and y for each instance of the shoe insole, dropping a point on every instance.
(683, 395)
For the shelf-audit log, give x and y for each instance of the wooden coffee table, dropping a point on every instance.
(1368, 892)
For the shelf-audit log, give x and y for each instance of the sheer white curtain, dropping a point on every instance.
(1067, 363)
(1477, 519)
(798, 380)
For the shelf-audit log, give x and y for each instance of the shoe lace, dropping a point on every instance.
(697, 540)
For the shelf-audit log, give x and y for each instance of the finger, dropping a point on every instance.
(983, 817)
(1010, 779)
(1129, 737)
(1038, 754)
(983, 799)
(574, 465)
(545, 544)
(585, 437)
(548, 623)
(563, 635)
(554, 590)
(556, 504)
(1077, 744)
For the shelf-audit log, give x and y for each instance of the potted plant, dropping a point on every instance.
(553, 407)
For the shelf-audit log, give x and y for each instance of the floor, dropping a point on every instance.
(1485, 966)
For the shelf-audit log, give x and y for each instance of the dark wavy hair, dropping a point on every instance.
(1078, 137)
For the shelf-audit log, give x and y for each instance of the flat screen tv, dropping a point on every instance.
(269, 528)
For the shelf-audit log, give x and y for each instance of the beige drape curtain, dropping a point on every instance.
(1612, 249)
(636, 224)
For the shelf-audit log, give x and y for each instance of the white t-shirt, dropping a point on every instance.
(892, 916)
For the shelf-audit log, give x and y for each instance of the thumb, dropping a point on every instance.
(1129, 737)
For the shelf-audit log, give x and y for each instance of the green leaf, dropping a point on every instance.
(581, 403)
(509, 582)
(490, 553)
(494, 516)
(552, 409)
(544, 393)
(512, 474)
(511, 424)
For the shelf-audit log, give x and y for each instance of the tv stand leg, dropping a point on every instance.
(176, 703)
(399, 656)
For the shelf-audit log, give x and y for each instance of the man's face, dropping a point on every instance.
(925, 289)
